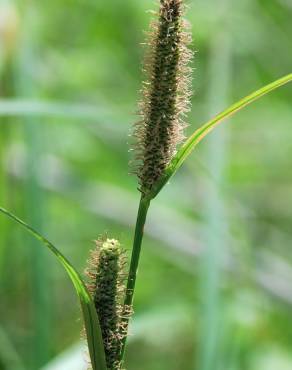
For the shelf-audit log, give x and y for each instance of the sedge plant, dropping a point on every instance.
(106, 294)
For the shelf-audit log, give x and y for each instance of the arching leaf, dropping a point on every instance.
(94, 336)
(201, 132)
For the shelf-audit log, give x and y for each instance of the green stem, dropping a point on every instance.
(139, 231)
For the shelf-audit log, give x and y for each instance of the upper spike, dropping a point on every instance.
(165, 94)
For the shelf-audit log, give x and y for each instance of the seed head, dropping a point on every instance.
(165, 94)
(106, 285)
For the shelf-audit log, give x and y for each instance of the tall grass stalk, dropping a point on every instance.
(215, 242)
(34, 199)
(136, 251)
(164, 103)
(158, 133)
(4, 181)
(8, 43)
(9, 357)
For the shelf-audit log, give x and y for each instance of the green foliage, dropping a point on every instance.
(92, 327)
(85, 72)
(201, 132)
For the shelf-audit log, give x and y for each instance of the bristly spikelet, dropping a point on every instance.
(106, 285)
(166, 94)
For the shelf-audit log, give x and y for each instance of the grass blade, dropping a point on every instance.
(8, 354)
(25, 107)
(34, 199)
(212, 300)
(201, 132)
(94, 337)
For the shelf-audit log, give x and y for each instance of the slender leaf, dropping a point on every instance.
(94, 337)
(201, 132)
(22, 84)
(22, 107)
(8, 354)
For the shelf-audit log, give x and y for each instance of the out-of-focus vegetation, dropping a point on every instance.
(214, 287)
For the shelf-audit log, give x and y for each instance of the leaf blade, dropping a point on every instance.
(190, 144)
(94, 336)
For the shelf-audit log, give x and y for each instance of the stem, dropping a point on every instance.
(139, 231)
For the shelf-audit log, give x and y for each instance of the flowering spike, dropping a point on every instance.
(106, 285)
(166, 94)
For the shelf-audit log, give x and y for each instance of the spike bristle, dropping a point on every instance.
(166, 94)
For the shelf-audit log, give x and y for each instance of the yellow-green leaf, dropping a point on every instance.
(201, 132)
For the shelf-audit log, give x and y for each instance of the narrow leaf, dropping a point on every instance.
(22, 107)
(201, 132)
(94, 337)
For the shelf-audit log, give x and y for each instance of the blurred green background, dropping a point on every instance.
(214, 289)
